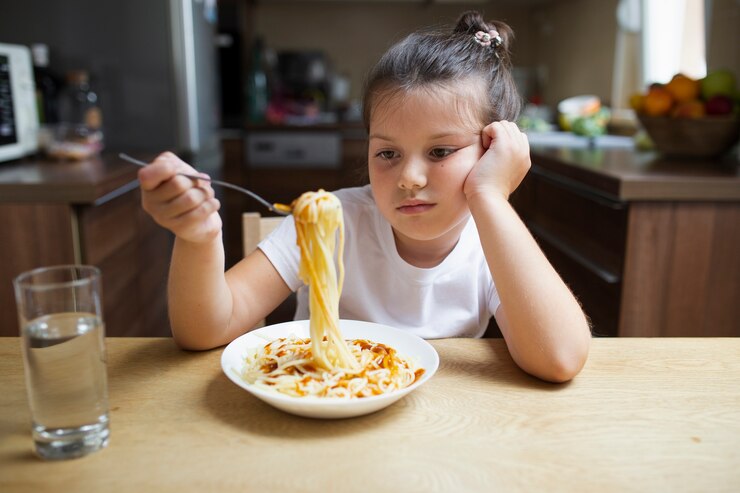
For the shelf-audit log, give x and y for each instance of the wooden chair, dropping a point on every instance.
(254, 229)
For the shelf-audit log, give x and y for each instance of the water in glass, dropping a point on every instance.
(66, 382)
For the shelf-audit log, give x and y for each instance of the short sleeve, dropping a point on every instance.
(493, 300)
(281, 250)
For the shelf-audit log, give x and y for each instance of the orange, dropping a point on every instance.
(683, 88)
(689, 109)
(658, 102)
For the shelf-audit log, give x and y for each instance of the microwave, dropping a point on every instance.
(19, 124)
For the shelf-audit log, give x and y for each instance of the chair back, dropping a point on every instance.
(255, 228)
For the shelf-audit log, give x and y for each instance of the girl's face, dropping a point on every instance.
(422, 145)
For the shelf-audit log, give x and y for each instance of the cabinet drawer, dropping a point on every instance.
(589, 229)
(599, 297)
(294, 150)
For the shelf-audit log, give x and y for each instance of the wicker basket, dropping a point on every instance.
(692, 137)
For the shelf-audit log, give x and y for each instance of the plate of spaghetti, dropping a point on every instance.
(325, 367)
(276, 364)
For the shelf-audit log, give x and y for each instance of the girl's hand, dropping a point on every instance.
(503, 165)
(185, 206)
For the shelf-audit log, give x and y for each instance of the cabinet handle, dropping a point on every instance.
(591, 266)
(577, 188)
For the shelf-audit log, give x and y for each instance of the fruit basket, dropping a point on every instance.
(709, 136)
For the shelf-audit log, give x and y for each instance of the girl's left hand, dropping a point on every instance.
(503, 165)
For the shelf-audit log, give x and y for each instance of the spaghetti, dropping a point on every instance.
(318, 218)
(325, 365)
(286, 365)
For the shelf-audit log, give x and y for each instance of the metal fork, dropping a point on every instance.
(281, 209)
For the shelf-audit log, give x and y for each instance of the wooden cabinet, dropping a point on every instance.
(682, 270)
(665, 264)
(98, 220)
(584, 237)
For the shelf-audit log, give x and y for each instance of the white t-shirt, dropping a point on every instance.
(453, 299)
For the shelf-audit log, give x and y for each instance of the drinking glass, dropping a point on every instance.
(62, 330)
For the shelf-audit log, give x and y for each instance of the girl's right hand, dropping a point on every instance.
(185, 206)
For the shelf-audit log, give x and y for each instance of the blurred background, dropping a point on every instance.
(266, 94)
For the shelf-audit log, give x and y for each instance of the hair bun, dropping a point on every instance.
(472, 21)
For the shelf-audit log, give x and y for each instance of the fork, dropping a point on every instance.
(281, 209)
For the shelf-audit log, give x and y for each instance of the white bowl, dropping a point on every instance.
(407, 345)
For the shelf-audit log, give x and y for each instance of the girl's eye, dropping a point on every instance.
(441, 152)
(386, 155)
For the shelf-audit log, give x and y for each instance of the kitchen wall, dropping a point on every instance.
(100, 37)
(355, 34)
(571, 41)
(723, 47)
(575, 42)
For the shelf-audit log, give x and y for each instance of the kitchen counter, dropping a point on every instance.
(624, 174)
(644, 415)
(43, 180)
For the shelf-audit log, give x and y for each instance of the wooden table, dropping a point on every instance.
(644, 415)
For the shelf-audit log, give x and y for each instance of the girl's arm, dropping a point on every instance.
(544, 327)
(207, 308)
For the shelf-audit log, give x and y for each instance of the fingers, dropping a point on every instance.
(502, 132)
(173, 201)
(176, 202)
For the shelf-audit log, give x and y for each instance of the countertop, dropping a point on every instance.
(626, 174)
(644, 415)
(86, 181)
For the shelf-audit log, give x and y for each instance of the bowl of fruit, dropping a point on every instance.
(691, 117)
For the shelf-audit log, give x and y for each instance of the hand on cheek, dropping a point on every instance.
(504, 163)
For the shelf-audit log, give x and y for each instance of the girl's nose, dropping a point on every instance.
(413, 174)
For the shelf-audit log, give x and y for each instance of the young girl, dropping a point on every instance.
(432, 244)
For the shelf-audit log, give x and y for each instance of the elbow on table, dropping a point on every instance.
(190, 345)
(562, 373)
(195, 342)
(567, 364)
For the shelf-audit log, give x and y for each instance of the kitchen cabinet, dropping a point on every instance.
(648, 245)
(85, 212)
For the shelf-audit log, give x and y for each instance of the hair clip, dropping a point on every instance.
(488, 38)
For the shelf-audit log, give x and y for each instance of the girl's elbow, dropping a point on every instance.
(191, 339)
(190, 344)
(563, 372)
(566, 365)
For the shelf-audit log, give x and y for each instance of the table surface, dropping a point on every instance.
(644, 415)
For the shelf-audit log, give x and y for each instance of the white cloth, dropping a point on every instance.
(454, 299)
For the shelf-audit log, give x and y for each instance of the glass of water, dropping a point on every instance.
(61, 324)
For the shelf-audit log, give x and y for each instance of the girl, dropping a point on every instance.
(432, 244)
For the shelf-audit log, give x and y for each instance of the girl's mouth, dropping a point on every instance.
(412, 207)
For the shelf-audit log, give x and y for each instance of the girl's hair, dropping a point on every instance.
(433, 58)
